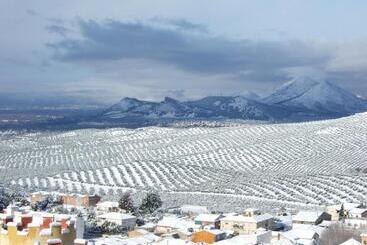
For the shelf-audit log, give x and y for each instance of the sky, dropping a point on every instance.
(105, 50)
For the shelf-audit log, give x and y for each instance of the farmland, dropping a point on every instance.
(310, 163)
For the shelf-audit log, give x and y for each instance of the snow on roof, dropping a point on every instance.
(54, 241)
(116, 216)
(172, 241)
(326, 223)
(298, 233)
(45, 232)
(261, 237)
(79, 240)
(108, 204)
(351, 241)
(148, 226)
(357, 210)
(208, 217)
(13, 224)
(308, 216)
(22, 233)
(176, 223)
(215, 231)
(252, 219)
(194, 209)
(5, 216)
(316, 228)
(251, 210)
(116, 240)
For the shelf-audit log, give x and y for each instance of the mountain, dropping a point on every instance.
(309, 95)
(211, 107)
(251, 95)
(300, 99)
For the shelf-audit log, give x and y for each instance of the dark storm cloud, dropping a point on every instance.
(116, 40)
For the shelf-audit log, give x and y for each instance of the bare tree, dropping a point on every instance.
(339, 233)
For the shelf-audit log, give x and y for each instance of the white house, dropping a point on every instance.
(357, 213)
(172, 223)
(310, 217)
(122, 219)
(208, 220)
(301, 236)
(246, 225)
(261, 236)
(107, 206)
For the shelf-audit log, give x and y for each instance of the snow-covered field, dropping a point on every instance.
(287, 164)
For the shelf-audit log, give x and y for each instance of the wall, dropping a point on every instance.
(203, 236)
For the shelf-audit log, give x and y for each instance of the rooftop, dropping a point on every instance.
(115, 215)
(308, 216)
(252, 219)
(208, 217)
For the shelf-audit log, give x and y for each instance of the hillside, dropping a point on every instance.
(292, 164)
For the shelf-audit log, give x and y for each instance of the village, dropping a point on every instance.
(75, 219)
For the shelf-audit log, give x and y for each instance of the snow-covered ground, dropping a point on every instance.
(310, 163)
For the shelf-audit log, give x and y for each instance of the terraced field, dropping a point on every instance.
(311, 163)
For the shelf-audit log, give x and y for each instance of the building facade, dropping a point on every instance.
(247, 225)
(36, 234)
(72, 200)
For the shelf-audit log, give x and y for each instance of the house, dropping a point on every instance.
(208, 220)
(208, 236)
(170, 224)
(351, 241)
(107, 207)
(357, 213)
(364, 238)
(310, 217)
(68, 200)
(247, 224)
(261, 236)
(118, 240)
(126, 220)
(137, 233)
(148, 227)
(54, 233)
(334, 210)
(301, 236)
(172, 241)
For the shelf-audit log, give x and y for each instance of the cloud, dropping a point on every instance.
(58, 29)
(32, 12)
(196, 53)
(180, 24)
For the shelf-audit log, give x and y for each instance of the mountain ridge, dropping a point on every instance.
(302, 98)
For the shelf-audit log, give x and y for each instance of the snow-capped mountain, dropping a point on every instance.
(300, 99)
(212, 107)
(320, 97)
